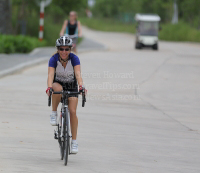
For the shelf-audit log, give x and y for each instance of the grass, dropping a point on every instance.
(179, 32)
(107, 25)
(169, 32)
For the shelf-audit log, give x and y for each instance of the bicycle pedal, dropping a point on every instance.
(55, 134)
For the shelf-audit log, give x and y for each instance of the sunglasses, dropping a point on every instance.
(62, 49)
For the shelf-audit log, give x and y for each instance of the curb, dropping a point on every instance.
(34, 51)
(22, 66)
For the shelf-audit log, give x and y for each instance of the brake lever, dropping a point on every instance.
(49, 100)
(83, 98)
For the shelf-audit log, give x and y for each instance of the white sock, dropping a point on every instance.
(74, 141)
(54, 112)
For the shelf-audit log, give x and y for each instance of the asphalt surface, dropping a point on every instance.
(141, 114)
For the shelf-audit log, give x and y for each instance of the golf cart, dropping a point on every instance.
(147, 31)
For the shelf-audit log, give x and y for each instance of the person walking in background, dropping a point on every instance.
(72, 27)
(88, 13)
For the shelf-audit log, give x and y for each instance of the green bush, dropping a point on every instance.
(23, 44)
(19, 44)
(7, 44)
(179, 32)
(1, 46)
(9, 47)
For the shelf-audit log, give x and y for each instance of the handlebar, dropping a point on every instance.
(72, 36)
(68, 93)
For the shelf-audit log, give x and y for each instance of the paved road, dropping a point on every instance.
(142, 113)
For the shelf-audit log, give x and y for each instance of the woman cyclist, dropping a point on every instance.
(64, 72)
(72, 27)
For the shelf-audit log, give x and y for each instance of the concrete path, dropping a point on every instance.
(141, 115)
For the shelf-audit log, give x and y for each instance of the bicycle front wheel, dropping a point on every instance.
(66, 151)
(66, 137)
(60, 142)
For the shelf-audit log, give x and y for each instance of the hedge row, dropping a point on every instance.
(19, 44)
(179, 32)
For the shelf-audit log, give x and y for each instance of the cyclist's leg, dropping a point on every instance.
(73, 102)
(74, 50)
(56, 97)
(74, 45)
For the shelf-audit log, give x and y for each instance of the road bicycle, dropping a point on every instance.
(63, 132)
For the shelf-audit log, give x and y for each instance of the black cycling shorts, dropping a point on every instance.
(73, 87)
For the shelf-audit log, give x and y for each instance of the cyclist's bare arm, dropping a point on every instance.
(62, 31)
(77, 70)
(79, 29)
(51, 72)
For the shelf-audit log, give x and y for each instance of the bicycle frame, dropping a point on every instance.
(63, 134)
(65, 112)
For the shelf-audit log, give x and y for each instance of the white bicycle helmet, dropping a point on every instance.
(64, 41)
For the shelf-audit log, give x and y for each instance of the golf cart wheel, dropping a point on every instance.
(138, 45)
(155, 46)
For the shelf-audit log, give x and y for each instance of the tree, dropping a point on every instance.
(190, 12)
(5, 17)
(113, 8)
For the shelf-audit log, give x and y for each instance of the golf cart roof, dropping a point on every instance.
(147, 17)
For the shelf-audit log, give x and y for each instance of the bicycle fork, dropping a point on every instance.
(68, 127)
(62, 122)
(61, 125)
(58, 132)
